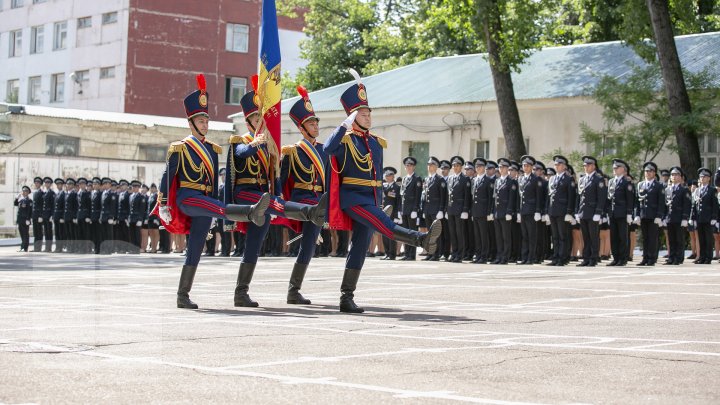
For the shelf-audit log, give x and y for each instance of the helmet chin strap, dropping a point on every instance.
(192, 121)
(360, 126)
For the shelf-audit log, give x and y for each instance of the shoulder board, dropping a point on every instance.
(346, 138)
(236, 139)
(597, 175)
(217, 148)
(176, 146)
(286, 149)
(382, 141)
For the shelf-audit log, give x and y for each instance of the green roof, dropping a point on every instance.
(565, 71)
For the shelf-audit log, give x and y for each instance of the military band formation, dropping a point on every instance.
(478, 211)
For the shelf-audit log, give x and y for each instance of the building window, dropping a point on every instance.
(482, 149)
(37, 39)
(39, 1)
(34, 90)
(107, 72)
(84, 22)
(60, 40)
(153, 153)
(109, 18)
(16, 3)
(82, 76)
(234, 89)
(709, 155)
(13, 91)
(62, 145)
(15, 43)
(57, 84)
(236, 39)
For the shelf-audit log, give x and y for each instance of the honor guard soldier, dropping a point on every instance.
(621, 203)
(482, 207)
(651, 210)
(84, 216)
(252, 175)
(530, 212)
(24, 215)
(187, 202)
(47, 214)
(704, 214)
(505, 201)
(37, 214)
(592, 197)
(410, 196)
(123, 216)
(357, 157)
(137, 216)
(391, 205)
(434, 200)
(58, 215)
(95, 210)
(70, 216)
(459, 204)
(108, 214)
(560, 208)
(679, 204)
(303, 178)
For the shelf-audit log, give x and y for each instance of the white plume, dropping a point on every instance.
(356, 75)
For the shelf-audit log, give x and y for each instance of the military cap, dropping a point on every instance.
(70, 181)
(478, 161)
(153, 185)
(135, 183)
(678, 170)
(302, 110)
(81, 180)
(114, 183)
(433, 161)
(38, 180)
(106, 180)
(355, 96)
(123, 182)
(389, 171)
(26, 188)
(196, 103)
(550, 171)
(571, 169)
(144, 186)
(249, 104)
(528, 160)
(490, 164)
(589, 160)
(457, 160)
(514, 165)
(620, 163)
(650, 166)
(560, 159)
(47, 180)
(704, 171)
(504, 162)
(59, 181)
(665, 172)
(222, 171)
(469, 165)
(539, 165)
(445, 164)
(410, 161)
(96, 180)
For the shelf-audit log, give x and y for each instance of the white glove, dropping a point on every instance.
(577, 218)
(138, 223)
(605, 220)
(573, 222)
(127, 222)
(273, 217)
(213, 223)
(110, 221)
(464, 215)
(568, 218)
(145, 222)
(596, 218)
(349, 120)
(628, 219)
(413, 215)
(684, 223)
(508, 217)
(664, 223)
(637, 221)
(164, 214)
(27, 222)
(713, 222)
(399, 215)
(397, 220)
(40, 220)
(74, 220)
(62, 221)
(658, 221)
(537, 217)
(88, 220)
(439, 215)
(691, 222)
(490, 217)
(546, 218)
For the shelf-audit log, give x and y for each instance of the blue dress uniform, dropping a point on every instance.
(459, 204)
(123, 216)
(251, 169)
(24, 215)
(705, 215)
(70, 216)
(58, 216)
(505, 202)
(95, 210)
(679, 204)
(410, 197)
(359, 156)
(391, 205)
(482, 190)
(620, 206)
(560, 203)
(303, 177)
(592, 197)
(137, 215)
(543, 250)
(434, 202)
(84, 217)
(651, 199)
(37, 209)
(108, 214)
(47, 213)
(530, 192)
(189, 190)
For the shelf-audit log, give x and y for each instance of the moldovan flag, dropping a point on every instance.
(269, 76)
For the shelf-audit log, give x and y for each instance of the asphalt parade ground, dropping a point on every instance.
(105, 329)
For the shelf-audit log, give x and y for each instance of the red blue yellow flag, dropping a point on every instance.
(269, 81)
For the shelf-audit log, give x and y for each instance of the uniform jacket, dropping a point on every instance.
(186, 166)
(678, 202)
(391, 197)
(71, 205)
(434, 196)
(59, 206)
(38, 202)
(410, 192)
(248, 170)
(84, 205)
(592, 196)
(705, 205)
(651, 198)
(531, 193)
(561, 195)
(48, 204)
(95, 204)
(298, 167)
(621, 197)
(482, 195)
(123, 205)
(459, 194)
(506, 197)
(25, 209)
(108, 205)
(138, 207)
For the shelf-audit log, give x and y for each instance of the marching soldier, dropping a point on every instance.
(187, 202)
(357, 157)
(58, 216)
(391, 198)
(108, 214)
(704, 215)
(505, 200)
(137, 216)
(679, 204)
(70, 216)
(47, 215)
(481, 210)
(24, 216)
(37, 214)
(96, 231)
(435, 197)
(531, 208)
(592, 196)
(651, 210)
(621, 203)
(560, 204)
(410, 195)
(459, 204)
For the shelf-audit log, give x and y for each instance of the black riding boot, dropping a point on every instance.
(186, 281)
(296, 279)
(347, 288)
(245, 275)
(249, 213)
(426, 240)
(304, 212)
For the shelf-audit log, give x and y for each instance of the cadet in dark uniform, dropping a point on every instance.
(444, 247)
(470, 246)
(410, 196)
(137, 216)
(592, 196)
(70, 216)
(515, 228)
(651, 199)
(58, 216)
(459, 203)
(37, 214)
(95, 210)
(391, 198)
(491, 173)
(531, 209)
(679, 204)
(704, 214)
(481, 210)
(505, 200)
(621, 203)
(24, 215)
(543, 250)
(108, 214)
(123, 217)
(153, 220)
(560, 204)
(435, 198)
(47, 214)
(84, 216)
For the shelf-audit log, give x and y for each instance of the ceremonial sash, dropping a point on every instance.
(314, 156)
(262, 155)
(203, 153)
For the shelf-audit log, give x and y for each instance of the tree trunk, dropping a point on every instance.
(678, 100)
(502, 81)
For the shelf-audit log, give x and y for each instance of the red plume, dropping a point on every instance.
(254, 81)
(202, 86)
(302, 91)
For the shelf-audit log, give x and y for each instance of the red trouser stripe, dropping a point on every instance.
(374, 221)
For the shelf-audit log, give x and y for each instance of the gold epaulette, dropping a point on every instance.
(382, 141)
(175, 147)
(236, 139)
(287, 149)
(346, 138)
(217, 148)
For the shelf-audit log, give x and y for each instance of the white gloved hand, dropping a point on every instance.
(62, 220)
(258, 140)
(40, 220)
(568, 218)
(164, 214)
(637, 221)
(399, 214)
(273, 217)
(658, 221)
(349, 120)
(228, 228)
(74, 220)
(88, 220)
(397, 220)
(573, 222)
(490, 217)
(577, 217)
(27, 222)
(664, 223)
(110, 221)
(439, 215)
(546, 218)
(537, 217)
(213, 223)
(413, 215)
(713, 222)
(127, 222)
(508, 217)
(464, 215)
(684, 223)
(596, 218)
(628, 219)
(145, 222)
(691, 222)
(605, 219)
(138, 223)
